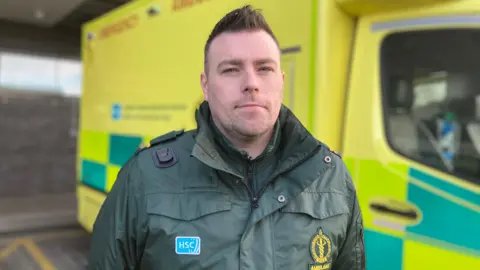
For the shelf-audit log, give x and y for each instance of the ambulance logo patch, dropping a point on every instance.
(321, 250)
(187, 245)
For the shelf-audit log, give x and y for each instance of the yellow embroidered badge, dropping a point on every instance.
(321, 250)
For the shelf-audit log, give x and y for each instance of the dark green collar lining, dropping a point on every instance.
(290, 141)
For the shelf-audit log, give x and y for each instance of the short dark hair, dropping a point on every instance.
(245, 18)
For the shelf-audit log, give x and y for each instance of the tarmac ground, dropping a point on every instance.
(42, 233)
(64, 248)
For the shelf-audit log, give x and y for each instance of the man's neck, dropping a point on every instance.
(254, 146)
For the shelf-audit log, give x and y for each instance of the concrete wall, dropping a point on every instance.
(37, 143)
(53, 42)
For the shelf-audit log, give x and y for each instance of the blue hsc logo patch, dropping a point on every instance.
(187, 245)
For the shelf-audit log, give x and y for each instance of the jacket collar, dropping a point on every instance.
(289, 144)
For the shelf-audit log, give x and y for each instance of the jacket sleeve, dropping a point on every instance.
(352, 253)
(117, 239)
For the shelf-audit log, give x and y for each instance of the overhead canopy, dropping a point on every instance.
(48, 27)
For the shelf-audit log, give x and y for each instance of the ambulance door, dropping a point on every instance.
(412, 137)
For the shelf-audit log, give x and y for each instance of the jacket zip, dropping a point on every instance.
(251, 183)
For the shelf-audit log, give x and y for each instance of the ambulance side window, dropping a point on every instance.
(431, 97)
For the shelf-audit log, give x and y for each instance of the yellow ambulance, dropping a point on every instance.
(392, 85)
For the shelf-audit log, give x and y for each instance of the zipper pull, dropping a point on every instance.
(255, 202)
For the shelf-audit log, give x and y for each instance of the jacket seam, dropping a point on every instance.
(356, 244)
(274, 250)
(201, 190)
(141, 192)
(327, 192)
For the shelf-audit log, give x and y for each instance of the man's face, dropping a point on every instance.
(244, 82)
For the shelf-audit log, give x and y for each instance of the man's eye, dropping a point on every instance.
(266, 69)
(229, 70)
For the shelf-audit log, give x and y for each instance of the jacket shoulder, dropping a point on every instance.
(329, 150)
(159, 166)
(338, 176)
(162, 139)
(172, 135)
(166, 149)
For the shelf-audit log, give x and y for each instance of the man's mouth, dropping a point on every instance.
(250, 105)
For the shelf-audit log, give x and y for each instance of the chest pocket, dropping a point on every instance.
(310, 229)
(191, 223)
(188, 206)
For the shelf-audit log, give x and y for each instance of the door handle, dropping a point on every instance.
(397, 209)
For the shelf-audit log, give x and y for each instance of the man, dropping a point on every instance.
(250, 188)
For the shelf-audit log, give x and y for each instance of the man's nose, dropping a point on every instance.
(251, 80)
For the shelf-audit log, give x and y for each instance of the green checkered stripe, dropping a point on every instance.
(102, 155)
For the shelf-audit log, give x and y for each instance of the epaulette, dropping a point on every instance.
(166, 137)
(160, 139)
(337, 154)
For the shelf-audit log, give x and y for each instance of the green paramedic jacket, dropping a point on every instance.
(179, 205)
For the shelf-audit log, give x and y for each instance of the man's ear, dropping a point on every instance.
(203, 82)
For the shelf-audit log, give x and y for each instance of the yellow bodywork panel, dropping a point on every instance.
(150, 65)
(334, 40)
(88, 206)
(142, 66)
